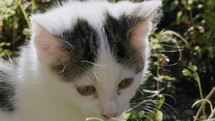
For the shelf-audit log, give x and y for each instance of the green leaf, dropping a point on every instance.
(173, 6)
(9, 2)
(203, 117)
(186, 72)
(26, 31)
(150, 116)
(196, 77)
(196, 48)
(161, 101)
(179, 14)
(169, 78)
(126, 115)
(159, 116)
(190, 2)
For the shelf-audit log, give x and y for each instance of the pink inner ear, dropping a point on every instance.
(139, 33)
(48, 45)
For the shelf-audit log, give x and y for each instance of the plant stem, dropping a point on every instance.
(158, 75)
(32, 6)
(14, 33)
(200, 91)
(204, 102)
(23, 12)
(212, 114)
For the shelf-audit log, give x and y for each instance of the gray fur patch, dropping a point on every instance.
(6, 93)
(117, 32)
(84, 42)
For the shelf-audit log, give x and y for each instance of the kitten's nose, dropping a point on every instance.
(109, 115)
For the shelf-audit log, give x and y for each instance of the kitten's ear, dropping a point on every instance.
(48, 46)
(147, 12)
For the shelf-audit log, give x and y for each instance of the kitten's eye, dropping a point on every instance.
(86, 90)
(125, 83)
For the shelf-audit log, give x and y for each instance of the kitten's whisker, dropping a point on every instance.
(142, 102)
(155, 108)
(136, 119)
(171, 97)
(148, 97)
(64, 67)
(151, 74)
(153, 91)
(151, 105)
(9, 58)
(97, 78)
(181, 47)
(85, 61)
(156, 113)
(171, 51)
(149, 110)
(139, 90)
(140, 99)
(148, 117)
(130, 60)
(167, 65)
(165, 114)
(169, 107)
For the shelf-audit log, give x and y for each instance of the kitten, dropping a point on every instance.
(85, 59)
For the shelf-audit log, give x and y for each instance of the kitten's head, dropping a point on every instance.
(94, 54)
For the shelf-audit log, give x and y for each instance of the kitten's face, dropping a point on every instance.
(105, 90)
(97, 51)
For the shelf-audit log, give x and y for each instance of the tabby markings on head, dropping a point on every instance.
(84, 43)
(117, 32)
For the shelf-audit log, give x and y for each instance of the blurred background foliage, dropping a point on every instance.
(183, 63)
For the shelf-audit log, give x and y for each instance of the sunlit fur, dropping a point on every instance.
(42, 96)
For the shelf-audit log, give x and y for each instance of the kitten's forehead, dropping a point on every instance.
(94, 29)
(88, 44)
(64, 17)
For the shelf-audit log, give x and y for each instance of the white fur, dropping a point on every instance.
(42, 96)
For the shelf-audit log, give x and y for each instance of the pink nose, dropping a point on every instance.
(110, 115)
